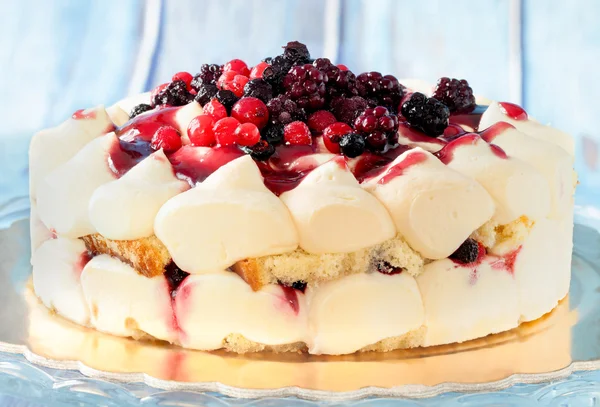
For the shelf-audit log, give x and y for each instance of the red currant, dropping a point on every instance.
(333, 134)
(224, 131)
(251, 110)
(257, 71)
(297, 133)
(167, 138)
(215, 110)
(183, 76)
(200, 131)
(319, 120)
(377, 140)
(342, 67)
(233, 81)
(237, 65)
(247, 134)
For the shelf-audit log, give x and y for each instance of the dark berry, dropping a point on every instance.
(174, 276)
(139, 109)
(209, 73)
(352, 145)
(174, 94)
(283, 110)
(258, 88)
(426, 114)
(340, 83)
(267, 60)
(296, 52)
(386, 268)
(227, 98)
(205, 93)
(261, 151)
(275, 73)
(347, 109)
(305, 85)
(183, 76)
(273, 134)
(468, 252)
(456, 94)
(377, 125)
(299, 285)
(380, 90)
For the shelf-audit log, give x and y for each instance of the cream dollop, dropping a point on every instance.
(229, 217)
(333, 214)
(124, 209)
(434, 207)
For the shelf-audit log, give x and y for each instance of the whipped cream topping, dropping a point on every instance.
(38, 232)
(64, 194)
(57, 266)
(229, 217)
(118, 116)
(496, 113)
(517, 188)
(124, 209)
(53, 147)
(184, 116)
(434, 207)
(418, 85)
(333, 214)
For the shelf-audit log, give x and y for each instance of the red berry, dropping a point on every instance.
(237, 65)
(319, 120)
(297, 133)
(247, 134)
(233, 81)
(183, 76)
(257, 71)
(333, 134)
(167, 138)
(157, 90)
(200, 131)
(251, 110)
(342, 67)
(224, 131)
(215, 110)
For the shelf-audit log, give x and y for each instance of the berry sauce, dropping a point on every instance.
(507, 262)
(194, 167)
(415, 136)
(83, 259)
(398, 169)
(471, 119)
(446, 154)
(81, 115)
(494, 130)
(291, 297)
(370, 165)
(278, 173)
(513, 111)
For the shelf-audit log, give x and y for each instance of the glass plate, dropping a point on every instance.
(44, 357)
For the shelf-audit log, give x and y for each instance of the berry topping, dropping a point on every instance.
(257, 71)
(215, 110)
(251, 110)
(237, 65)
(258, 88)
(224, 131)
(296, 52)
(456, 94)
(352, 145)
(209, 73)
(297, 133)
(227, 98)
(174, 276)
(205, 93)
(332, 135)
(306, 86)
(233, 81)
(167, 138)
(426, 114)
(139, 109)
(340, 82)
(342, 67)
(377, 125)
(379, 89)
(200, 131)
(273, 133)
(183, 76)
(299, 285)
(247, 134)
(282, 110)
(156, 91)
(386, 268)
(513, 111)
(261, 151)
(319, 120)
(468, 252)
(347, 109)
(174, 94)
(275, 73)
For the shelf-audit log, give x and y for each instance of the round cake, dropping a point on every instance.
(296, 206)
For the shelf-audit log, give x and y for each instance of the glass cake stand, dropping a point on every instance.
(552, 361)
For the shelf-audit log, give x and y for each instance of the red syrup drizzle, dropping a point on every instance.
(513, 111)
(415, 136)
(370, 165)
(291, 297)
(174, 277)
(194, 166)
(446, 154)
(279, 172)
(507, 262)
(495, 130)
(394, 171)
(80, 115)
(84, 258)
(470, 119)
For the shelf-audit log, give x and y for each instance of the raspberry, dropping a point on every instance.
(224, 131)
(139, 109)
(200, 131)
(174, 94)
(347, 109)
(283, 110)
(296, 52)
(275, 73)
(352, 145)
(167, 138)
(319, 120)
(215, 110)
(209, 73)
(380, 90)
(257, 71)
(227, 98)
(273, 133)
(377, 125)
(297, 133)
(456, 94)
(251, 110)
(260, 151)
(247, 134)
(468, 252)
(232, 81)
(183, 76)
(340, 82)
(426, 114)
(258, 88)
(333, 134)
(306, 86)
(205, 93)
(237, 65)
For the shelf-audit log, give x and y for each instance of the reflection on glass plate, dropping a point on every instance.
(564, 341)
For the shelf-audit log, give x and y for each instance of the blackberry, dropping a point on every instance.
(227, 98)
(352, 145)
(377, 125)
(174, 94)
(346, 110)
(205, 93)
(174, 276)
(426, 114)
(468, 252)
(275, 73)
(340, 83)
(258, 88)
(283, 110)
(299, 285)
(273, 134)
(456, 94)
(296, 52)
(268, 60)
(386, 268)
(139, 109)
(305, 85)
(261, 151)
(209, 73)
(380, 90)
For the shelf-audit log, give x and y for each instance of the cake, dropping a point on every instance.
(296, 206)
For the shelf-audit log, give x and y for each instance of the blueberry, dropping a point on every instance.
(352, 145)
